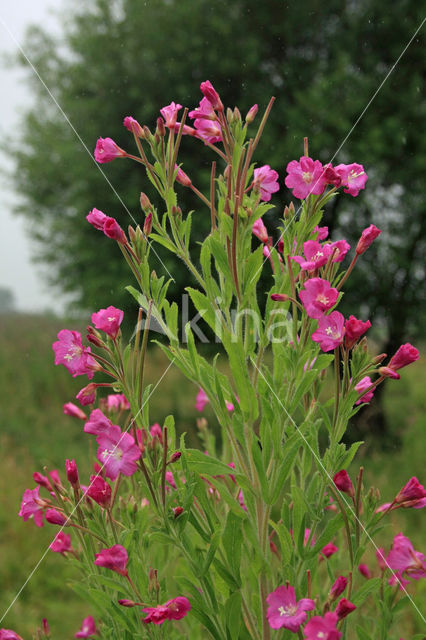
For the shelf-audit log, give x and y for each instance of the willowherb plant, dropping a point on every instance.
(269, 532)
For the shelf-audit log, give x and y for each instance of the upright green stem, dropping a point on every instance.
(337, 391)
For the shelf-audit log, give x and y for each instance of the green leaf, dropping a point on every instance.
(330, 530)
(233, 615)
(362, 635)
(362, 594)
(286, 542)
(232, 541)
(108, 582)
(214, 544)
(206, 465)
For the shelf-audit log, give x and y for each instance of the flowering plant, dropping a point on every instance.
(266, 531)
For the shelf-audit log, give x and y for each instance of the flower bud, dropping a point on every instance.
(145, 203)
(174, 457)
(229, 115)
(71, 409)
(55, 517)
(367, 238)
(133, 126)
(127, 603)
(72, 473)
(161, 129)
(338, 587)
(94, 337)
(177, 511)
(279, 297)
(147, 226)
(344, 608)
(378, 359)
(364, 571)
(147, 132)
(113, 230)
(252, 114)
(344, 483)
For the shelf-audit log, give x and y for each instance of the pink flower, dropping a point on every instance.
(305, 177)
(133, 126)
(201, 400)
(265, 180)
(318, 297)
(344, 608)
(43, 481)
(169, 114)
(316, 255)
(251, 114)
(170, 480)
(339, 250)
(114, 558)
(107, 150)
(322, 232)
(319, 628)
(330, 331)
(354, 329)
(99, 490)
(353, 177)
(338, 587)
(284, 611)
(344, 483)
(331, 176)
(32, 506)
(118, 452)
(260, 231)
(413, 494)
(113, 230)
(204, 112)
(71, 409)
(182, 177)
(367, 238)
(156, 432)
(387, 372)
(117, 402)
(55, 517)
(174, 609)
(61, 543)
(87, 394)
(208, 131)
(361, 387)
(98, 423)
(403, 558)
(88, 628)
(405, 355)
(108, 320)
(97, 219)
(70, 352)
(72, 472)
(329, 550)
(212, 95)
(364, 571)
(8, 634)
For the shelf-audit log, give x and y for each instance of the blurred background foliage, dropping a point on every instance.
(324, 62)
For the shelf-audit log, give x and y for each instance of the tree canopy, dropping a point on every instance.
(323, 61)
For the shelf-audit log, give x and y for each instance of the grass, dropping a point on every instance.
(35, 433)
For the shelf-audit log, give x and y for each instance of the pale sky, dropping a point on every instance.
(16, 270)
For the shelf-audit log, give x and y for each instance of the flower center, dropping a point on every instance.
(115, 453)
(318, 255)
(333, 333)
(307, 177)
(73, 352)
(322, 299)
(287, 611)
(353, 175)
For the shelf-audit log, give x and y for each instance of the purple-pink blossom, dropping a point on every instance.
(97, 423)
(364, 571)
(32, 506)
(71, 409)
(344, 608)
(354, 329)
(99, 490)
(318, 297)
(322, 232)
(284, 611)
(329, 550)
(352, 176)
(201, 400)
(133, 126)
(8, 634)
(260, 231)
(169, 114)
(113, 230)
(97, 219)
(88, 628)
(118, 452)
(108, 320)
(322, 628)
(114, 558)
(405, 355)
(61, 543)
(70, 352)
(412, 494)
(305, 177)
(339, 249)
(367, 238)
(344, 483)
(174, 609)
(265, 179)
(361, 388)
(87, 394)
(404, 559)
(107, 150)
(338, 587)
(330, 331)
(316, 255)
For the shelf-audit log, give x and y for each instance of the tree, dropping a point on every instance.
(323, 61)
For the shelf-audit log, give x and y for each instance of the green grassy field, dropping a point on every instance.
(35, 433)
